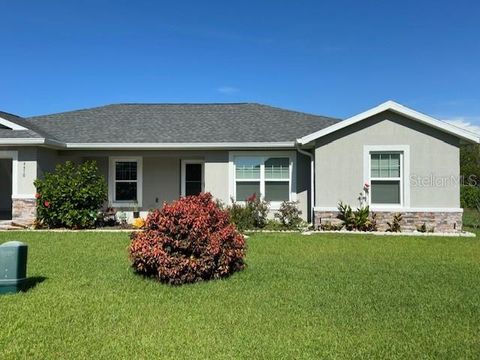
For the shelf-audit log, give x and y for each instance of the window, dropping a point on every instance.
(192, 177)
(277, 179)
(386, 178)
(247, 175)
(265, 176)
(125, 181)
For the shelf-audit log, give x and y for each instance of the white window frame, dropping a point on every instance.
(112, 181)
(404, 151)
(263, 155)
(184, 173)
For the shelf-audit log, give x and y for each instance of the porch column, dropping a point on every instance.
(24, 173)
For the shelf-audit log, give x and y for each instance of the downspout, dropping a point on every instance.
(312, 180)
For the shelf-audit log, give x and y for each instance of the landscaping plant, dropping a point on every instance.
(328, 226)
(186, 241)
(423, 228)
(395, 226)
(251, 215)
(346, 216)
(289, 215)
(70, 196)
(359, 219)
(138, 223)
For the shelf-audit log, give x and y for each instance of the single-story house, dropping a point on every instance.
(390, 157)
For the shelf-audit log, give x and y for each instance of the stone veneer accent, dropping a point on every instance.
(24, 211)
(440, 221)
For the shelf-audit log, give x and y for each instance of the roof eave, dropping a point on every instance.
(146, 146)
(22, 141)
(179, 146)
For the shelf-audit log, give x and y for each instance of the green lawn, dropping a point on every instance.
(319, 296)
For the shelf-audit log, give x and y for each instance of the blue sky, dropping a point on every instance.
(326, 57)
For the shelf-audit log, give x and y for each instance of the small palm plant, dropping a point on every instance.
(395, 226)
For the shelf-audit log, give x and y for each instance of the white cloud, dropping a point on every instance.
(227, 89)
(464, 123)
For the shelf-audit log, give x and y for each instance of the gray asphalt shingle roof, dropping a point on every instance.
(178, 123)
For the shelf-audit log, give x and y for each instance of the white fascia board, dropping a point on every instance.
(151, 146)
(22, 141)
(179, 146)
(32, 141)
(11, 125)
(399, 109)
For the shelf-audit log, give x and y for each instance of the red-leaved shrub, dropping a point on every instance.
(188, 240)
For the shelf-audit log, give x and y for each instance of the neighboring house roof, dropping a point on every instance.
(131, 124)
(399, 109)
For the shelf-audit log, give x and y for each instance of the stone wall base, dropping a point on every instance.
(436, 221)
(24, 211)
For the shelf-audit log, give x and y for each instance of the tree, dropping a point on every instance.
(470, 164)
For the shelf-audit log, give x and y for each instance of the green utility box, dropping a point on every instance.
(13, 266)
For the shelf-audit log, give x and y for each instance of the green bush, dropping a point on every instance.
(70, 196)
(251, 215)
(345, 214)
(274, 225)
(361, 219)
(289, 215)
(469, 196)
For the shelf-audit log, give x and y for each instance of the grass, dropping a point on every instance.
(319, 296)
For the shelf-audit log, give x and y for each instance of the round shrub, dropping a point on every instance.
(186, 241)
(70, 196)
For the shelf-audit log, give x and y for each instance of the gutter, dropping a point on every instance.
(146, 146)
(180, 146)
(312, 179)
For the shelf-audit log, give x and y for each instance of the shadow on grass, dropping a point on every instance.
(32, 282)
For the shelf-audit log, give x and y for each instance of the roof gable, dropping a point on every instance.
(399, 109)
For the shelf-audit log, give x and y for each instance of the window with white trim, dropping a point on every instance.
(265, 176)
(386, 178)
(125, 181)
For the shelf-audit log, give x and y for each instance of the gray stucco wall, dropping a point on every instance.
(216, 175)
(433, 154)
(46, 160)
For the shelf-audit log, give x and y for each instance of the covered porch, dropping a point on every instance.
(144, 180)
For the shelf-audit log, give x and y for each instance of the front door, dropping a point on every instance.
(192, 177)
(5, 189)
